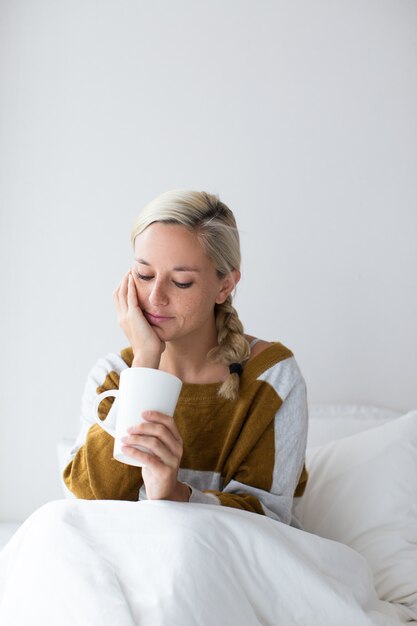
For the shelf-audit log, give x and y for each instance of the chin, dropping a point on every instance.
(164, 335)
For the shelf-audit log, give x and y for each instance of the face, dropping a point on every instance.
(176, 282)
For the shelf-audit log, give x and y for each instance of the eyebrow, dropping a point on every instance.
(180, 268)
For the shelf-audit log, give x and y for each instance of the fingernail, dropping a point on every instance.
(146, 414)
(124, 439)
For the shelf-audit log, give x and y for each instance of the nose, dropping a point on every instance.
(158, 295)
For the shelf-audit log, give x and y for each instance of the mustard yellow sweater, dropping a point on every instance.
(248, 453)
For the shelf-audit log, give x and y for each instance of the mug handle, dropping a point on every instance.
(103, 423)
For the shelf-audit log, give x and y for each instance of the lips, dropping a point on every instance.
(154, 318)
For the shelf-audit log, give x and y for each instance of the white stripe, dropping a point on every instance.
(282, 376)
(290, 432)
(201, 479)
(276, 507)
(110, 363)
(196, 497)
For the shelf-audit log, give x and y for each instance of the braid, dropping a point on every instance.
(232, 346)
(215, 227)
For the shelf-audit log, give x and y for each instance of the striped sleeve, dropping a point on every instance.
(91, 471)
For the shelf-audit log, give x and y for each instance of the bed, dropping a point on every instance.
(354, 562)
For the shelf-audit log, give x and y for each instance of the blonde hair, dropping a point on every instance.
(215, 226)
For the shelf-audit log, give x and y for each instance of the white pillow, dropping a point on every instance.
(362, 491)
(328, 422)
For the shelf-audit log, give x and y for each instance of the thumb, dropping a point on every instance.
(132, 296)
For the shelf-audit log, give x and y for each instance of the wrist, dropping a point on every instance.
(144, 360)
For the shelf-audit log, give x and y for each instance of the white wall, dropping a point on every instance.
(301, 114)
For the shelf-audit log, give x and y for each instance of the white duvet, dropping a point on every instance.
(109, 563)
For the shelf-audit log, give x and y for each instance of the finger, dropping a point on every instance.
(160, 459)
(115, 294)
(124, 287)
(120, 295)
(173, 441)
(116, 291)
(159, 449)
(160, 418)
(156, 431)
(132, 296)
(148, 459)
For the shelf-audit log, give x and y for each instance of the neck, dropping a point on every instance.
(187, 358)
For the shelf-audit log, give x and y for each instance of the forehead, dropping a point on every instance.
(170, 243)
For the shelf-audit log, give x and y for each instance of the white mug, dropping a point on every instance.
(140, 389)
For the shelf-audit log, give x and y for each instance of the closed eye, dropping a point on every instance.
(182, 285)
(176, 283)
(142, 277)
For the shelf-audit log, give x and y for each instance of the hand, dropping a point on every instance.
(159, 434)
(142, 337)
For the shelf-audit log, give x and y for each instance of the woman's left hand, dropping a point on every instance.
(158, 434)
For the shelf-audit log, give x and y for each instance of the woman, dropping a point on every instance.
(237, 439)
(238, 435)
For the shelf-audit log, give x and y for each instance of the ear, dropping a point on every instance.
(227, 285)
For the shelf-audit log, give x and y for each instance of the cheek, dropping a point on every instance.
(141, 289)
(199, 305)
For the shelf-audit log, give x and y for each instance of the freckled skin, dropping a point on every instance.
(165, 247)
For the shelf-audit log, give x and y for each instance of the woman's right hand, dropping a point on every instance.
(146, 345)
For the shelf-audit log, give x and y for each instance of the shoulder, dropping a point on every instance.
(275, 364)
(104, 375)
(106, 371)
(284, 375)
(266, 353)
(259, 345)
